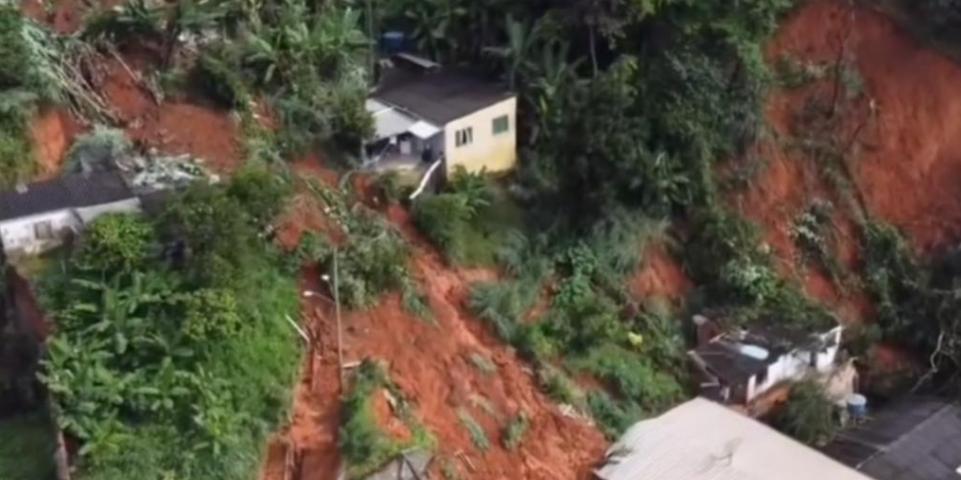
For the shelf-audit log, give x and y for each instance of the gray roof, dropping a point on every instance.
(917, 438)
(72, 191)
(443, 96)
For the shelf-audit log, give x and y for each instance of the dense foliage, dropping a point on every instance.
(172, 354)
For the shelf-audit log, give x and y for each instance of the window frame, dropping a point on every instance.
(464, 137)
(506, 128)
(43, 230)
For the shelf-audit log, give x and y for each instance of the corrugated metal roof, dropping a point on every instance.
(701, 440)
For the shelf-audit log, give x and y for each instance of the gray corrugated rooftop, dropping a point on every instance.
(72, 191)
(918, 438)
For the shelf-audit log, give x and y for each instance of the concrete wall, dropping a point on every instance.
(798, 364)
(19, 235)
(89, 214)
(496, 153)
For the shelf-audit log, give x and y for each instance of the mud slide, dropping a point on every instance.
(906, 159)
(431, 363)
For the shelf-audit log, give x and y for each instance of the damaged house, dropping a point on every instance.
(43, 215)
(737, 365)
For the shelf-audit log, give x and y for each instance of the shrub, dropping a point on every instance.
(221, 80)
(443, 219)
(514, 431)
(808, 415)
(210, 314)
(116, 242)
(612, 416)
(98, 150)
(632, 376)
(476, 431)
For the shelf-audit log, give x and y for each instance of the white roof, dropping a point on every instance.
(701, 440)
(424, 130)
(388, 121)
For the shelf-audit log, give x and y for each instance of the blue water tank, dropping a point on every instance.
(393, 42)
(857, 405)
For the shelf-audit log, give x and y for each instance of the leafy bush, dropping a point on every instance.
(443, 219)
(612, 416)
(808, 415)
(98, 150)
(116, 242)
(515, 430)
(476, 431)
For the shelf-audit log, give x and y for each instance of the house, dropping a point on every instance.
(42, 215)
(736, 366)
(916, 438)
(425, 114)
(702, 440)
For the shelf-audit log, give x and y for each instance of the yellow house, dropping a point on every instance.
(443, 116)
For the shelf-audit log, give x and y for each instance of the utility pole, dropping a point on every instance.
(340, 334)
(371, 51)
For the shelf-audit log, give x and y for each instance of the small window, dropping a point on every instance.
(502, 125)
(464, 137)
(43, 230)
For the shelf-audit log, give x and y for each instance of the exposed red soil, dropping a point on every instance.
(388, 420)
(429, 361)
(661, 276)
(172, 127)
(52, 131)
(910, 170)
(906, 163)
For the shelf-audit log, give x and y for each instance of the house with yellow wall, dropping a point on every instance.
(450, 118)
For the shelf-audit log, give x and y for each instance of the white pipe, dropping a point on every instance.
(423, 181)
(301, 331)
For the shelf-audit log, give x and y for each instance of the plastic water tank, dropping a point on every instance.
(393, 42)
(857, 405)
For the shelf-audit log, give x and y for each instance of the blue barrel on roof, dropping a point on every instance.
(393, 42)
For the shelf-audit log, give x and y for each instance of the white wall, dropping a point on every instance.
(19, 234)
(495, 153)
(795, 365)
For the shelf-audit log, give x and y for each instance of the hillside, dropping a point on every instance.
(510, 326)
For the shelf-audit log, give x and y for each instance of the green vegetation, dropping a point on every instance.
(172, 353)
(808, 415)
(373, 259)
(469, 220)
(28, 446)
(476, 431)
(365, 446)
(514, 431)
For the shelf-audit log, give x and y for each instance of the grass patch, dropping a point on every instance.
(477, 434)
(484, 364)
(515, 430)
(470, 221)
(27, 447)
(364, 445)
